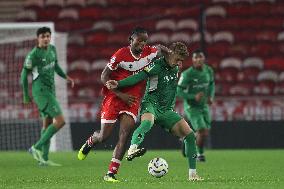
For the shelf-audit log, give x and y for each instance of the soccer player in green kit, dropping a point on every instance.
(41, 61)
(158, 104)
(196, 87)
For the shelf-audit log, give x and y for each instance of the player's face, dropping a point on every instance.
(198, 60)
(175, 60)
(44, 39)
(138, 42)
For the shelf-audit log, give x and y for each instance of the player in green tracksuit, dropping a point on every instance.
(42, 62)
(158, 104)
(196, 87)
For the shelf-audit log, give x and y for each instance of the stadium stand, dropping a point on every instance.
(244, 43)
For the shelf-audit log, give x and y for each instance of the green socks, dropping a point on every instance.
(200, 150)
(190, 150)
(46, 136)
(139, 133)
(45, 147)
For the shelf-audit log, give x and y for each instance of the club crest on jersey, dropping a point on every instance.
(112, 60)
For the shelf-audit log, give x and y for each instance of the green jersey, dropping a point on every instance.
(42, 63)
(193, 81)
(161, 85)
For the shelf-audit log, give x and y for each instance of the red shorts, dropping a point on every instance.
(112, 107)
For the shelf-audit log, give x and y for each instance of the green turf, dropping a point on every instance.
(258, 169)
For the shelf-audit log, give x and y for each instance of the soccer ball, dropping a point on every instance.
(158, 167)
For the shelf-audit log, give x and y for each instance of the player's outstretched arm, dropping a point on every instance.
(132, 80)
(128, 99)
(25, 85)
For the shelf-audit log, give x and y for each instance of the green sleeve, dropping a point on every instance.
(24, 82)
(57, 68)
(59, 71)
(211, 88)
(29, 62)
(182, 88)
(150, 70)
(132, 80)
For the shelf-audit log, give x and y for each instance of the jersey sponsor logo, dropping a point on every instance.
(43, 59)
(49, 66)
(202, 85)
(149, 67)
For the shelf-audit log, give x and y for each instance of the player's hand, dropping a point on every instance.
(210, 100)
(128, 99)
(199, 96)
(27, 100)
(111, 84)
(70, 80)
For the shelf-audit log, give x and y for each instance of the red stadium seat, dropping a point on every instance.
(54, 4)
(275, 63)
(76, 39)
(34, 4)
(75, 3)
(162, 38)
(101, 3)
(223, 36)
(181, 36)
(69, 14)
(166, 24)
(96, 38)
(251, 68)
(241, 89)
(187, 24)
(27, 15)
(215, 11)
(94, 13)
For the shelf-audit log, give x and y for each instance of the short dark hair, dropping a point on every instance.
(180, 49)
(137, 30)
(43, 30)
(197, 51)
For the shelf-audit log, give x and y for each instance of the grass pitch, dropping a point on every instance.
(224, 169)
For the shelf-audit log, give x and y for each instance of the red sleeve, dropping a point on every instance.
(115, 60)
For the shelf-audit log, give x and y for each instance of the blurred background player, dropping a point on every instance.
(196, 87)
(42, 62)
(122, 105)
(158, 104)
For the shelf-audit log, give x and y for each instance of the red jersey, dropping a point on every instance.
(123, 64)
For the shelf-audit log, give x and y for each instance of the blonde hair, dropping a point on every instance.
(179, 48)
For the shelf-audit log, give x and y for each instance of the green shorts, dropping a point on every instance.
(47, 105)
(166, 119)
(199, 118)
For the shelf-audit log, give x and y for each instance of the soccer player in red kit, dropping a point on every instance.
(122, 105)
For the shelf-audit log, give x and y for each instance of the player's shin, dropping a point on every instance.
(45, 147)
(190, 150)
(50, 131)
(139, 133)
